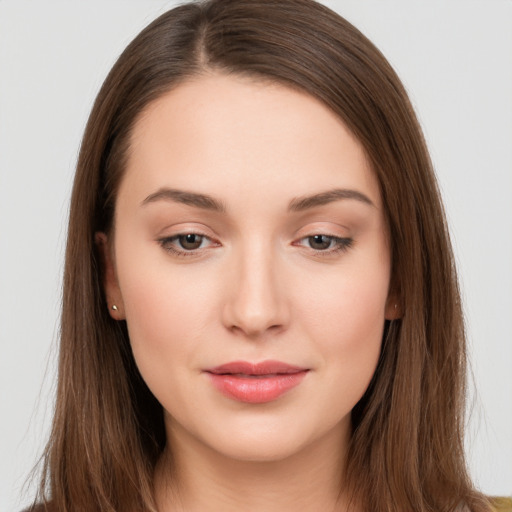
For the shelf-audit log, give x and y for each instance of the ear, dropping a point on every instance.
(110, 283)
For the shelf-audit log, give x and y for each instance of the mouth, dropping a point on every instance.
(256, 382)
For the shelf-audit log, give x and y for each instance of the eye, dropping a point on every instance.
(329, 244)
(320, 242)
(190, 241)
(186, 244)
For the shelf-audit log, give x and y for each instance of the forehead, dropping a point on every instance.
(230, 134)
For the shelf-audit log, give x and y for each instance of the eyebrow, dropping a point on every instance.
(202, 201)
(297, 204)
(306, 202)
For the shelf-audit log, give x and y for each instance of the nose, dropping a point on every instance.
(256, 303)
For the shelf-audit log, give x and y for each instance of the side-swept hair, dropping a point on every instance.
(406, 451)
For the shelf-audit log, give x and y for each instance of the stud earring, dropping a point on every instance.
(114, 307)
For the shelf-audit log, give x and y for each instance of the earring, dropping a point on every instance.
(114, 307)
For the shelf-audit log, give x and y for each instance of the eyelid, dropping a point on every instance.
(167, 241)
(341, 243)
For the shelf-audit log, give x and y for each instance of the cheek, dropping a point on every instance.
(345, 316)
(166, 312)
(347, 304)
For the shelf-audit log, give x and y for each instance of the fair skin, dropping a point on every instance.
(262, 275)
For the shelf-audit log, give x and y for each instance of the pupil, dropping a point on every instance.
(190, 241)
(320, 242)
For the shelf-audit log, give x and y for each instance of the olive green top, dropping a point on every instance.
(502, 504)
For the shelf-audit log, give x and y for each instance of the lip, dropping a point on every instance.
(256, 383)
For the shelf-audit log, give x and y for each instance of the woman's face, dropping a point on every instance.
(251, 263)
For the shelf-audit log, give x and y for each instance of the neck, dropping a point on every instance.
(197, 478)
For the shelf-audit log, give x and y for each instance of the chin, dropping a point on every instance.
(268, 438)
(263, 450)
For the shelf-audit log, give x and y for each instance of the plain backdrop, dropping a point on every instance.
(455, 58)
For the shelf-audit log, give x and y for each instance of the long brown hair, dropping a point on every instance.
(406, 450)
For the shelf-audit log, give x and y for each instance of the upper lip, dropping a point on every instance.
(262, 368)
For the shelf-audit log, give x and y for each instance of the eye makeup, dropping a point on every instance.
(192, 243)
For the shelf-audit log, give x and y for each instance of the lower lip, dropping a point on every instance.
(256, 390)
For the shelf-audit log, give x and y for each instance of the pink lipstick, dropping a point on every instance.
(256, 383)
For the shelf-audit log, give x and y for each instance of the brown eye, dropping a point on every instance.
(325, 245)
(320, 242)
(190, 241)
(187, 244)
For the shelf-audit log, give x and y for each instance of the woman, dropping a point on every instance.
(260, 303)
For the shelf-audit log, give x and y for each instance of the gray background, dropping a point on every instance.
(455, 58)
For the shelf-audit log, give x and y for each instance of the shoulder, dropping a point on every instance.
(502, 504)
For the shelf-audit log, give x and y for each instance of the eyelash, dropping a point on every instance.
(167, 241)
(341, 244)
